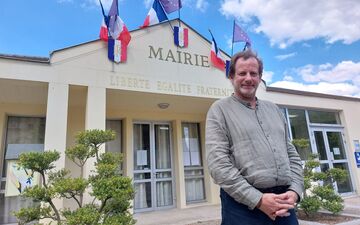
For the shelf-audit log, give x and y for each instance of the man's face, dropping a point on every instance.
(246, 78)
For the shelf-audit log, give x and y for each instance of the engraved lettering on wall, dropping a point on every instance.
(181, 57)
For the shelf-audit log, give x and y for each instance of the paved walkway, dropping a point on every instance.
(212, 212)
(352, 206)
(179, 216)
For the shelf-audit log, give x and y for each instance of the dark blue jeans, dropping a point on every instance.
(234, 213)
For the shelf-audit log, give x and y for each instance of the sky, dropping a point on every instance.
(305, 44)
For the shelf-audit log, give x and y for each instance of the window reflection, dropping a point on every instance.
(23, 134)
(299, 130)
(115, 145)
(323, 117)
(194, 175)
(320, 145)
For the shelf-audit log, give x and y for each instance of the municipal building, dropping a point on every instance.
(157, 103)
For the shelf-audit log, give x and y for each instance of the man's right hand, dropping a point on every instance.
(272, 203)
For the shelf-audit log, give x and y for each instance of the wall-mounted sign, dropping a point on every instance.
(357, 159)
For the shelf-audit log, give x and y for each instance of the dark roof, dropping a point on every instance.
(26, 58)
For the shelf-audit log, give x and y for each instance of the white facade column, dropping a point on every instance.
(95, 118)
(56, 124)
(95, 115)
(179, 165)
(128, 160)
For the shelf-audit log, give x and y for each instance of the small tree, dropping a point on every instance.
(111, 192)
(318, 196)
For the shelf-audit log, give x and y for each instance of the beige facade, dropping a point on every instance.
(78, 88)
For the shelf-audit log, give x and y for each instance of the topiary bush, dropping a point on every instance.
(110, 191)
(323, 196)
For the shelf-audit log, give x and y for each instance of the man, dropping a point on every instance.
(249, 154)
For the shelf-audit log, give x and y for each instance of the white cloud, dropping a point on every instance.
(283, 57)
(344, 71)
(288, 21)
(202, 5)
(288, 78)
(322, 87)
(267, 76)
(340, 79)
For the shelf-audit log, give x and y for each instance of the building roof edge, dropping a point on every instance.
(311, 94)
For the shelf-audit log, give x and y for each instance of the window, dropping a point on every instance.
(299, 130)
(323, 117)
(193, 167)
(115, 145)
(23, 134)
(283, 110)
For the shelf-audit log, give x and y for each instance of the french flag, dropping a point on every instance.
(181, 37)
(215, 56)
(119, 32)
(103, 31)
(117, 51)
(155, 15)
(227, 66)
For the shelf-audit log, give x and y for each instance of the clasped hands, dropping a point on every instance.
(275, 205)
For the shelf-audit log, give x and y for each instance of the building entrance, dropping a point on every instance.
(153, 175)
(330, 147)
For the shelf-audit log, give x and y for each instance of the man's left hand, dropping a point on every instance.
(290, 197)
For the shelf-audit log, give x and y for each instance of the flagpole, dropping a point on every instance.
(106, 19)
(166, 16)
(102, 8)
(117, 7)
(179, 11)
(211, 33)
(232, 43)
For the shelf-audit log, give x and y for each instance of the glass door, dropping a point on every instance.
(330, 147)
(153, 180)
